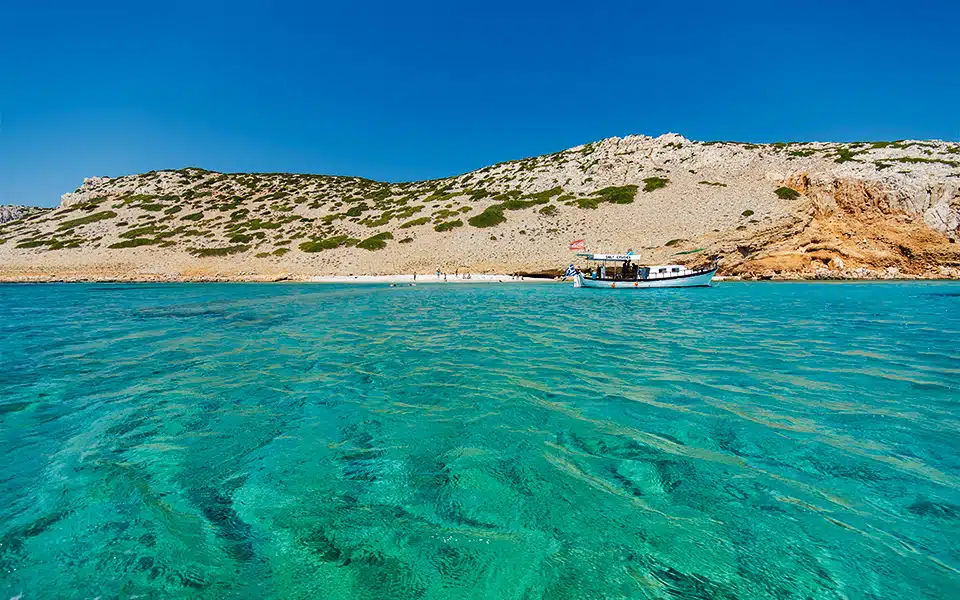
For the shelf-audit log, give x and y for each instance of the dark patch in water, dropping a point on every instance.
(13, 542)
(323, 547)
(13, 407)
(625, 483)
(693, 586)
(218, 510)
(938, 510)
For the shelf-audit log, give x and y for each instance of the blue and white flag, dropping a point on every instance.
(570, 271)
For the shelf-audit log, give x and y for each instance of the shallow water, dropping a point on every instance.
(744, 441)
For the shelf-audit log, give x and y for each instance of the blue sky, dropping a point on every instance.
(400, 91)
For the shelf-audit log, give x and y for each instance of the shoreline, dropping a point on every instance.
(404, 279)
(429, 278)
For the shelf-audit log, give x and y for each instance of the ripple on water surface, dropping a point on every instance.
(744, 441)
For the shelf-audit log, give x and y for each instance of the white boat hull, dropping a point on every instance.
(694, 280)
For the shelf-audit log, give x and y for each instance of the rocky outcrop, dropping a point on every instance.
(85, 193)
(10, 213)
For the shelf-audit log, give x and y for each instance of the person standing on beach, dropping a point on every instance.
(438, 272)
(414, 276)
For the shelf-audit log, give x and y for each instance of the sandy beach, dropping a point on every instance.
(431, 278)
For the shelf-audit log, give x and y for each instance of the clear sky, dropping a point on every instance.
(414, 90)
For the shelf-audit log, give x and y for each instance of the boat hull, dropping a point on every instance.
(694, 280)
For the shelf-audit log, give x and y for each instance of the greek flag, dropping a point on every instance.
(570, 271)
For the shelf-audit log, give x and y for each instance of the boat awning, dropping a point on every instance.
(617, 257)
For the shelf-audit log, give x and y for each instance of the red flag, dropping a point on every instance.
(578, 245)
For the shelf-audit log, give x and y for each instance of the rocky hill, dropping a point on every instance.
(786, 210)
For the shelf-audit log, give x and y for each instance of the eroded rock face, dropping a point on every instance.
(11, 213)
(936, 201)
(84, 193)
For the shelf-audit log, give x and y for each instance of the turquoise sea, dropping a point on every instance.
(746, 441)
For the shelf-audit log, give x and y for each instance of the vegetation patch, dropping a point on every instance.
(193, 216)
(714, 183)
(376, 242)
(133, 243)
(689, 252)
(654, 183)
(415, 222)
(845, 155)
(672, 243)
(447, 226)
(324, 244)
(785, 193)
(490, 217)
(140, 231)
(549, 210)
(802, 153)
(914, 159)
(100, 216)
(405, 240)
(747, 213)
(225, 251)
(280, 251)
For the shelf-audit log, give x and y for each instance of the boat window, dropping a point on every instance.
(662, 271)
(676, 269)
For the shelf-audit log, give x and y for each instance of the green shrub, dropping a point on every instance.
(844, 155)
(802, 152)
(587, 203)
(226, 251)
(415, 222)
(376, 242)
(140, 231)
(152, 207)
(448, 225)
(785, 193)
(262, 254)
(624, 194)
(193, 216)
(173, 210)
(490, 217)
(913, 159)
(324, 244)
(34, 243)
(100, 216)
(714, 183)
(747, 213)
(133, 243)
(549, 210)
(672, 243)
(240, 238)
(356, 211)
(281, 251)
(654, 183)
(405, 240)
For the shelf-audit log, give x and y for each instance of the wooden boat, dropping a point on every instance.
(625, 274)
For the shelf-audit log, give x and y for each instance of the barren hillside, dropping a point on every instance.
(879, 209)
